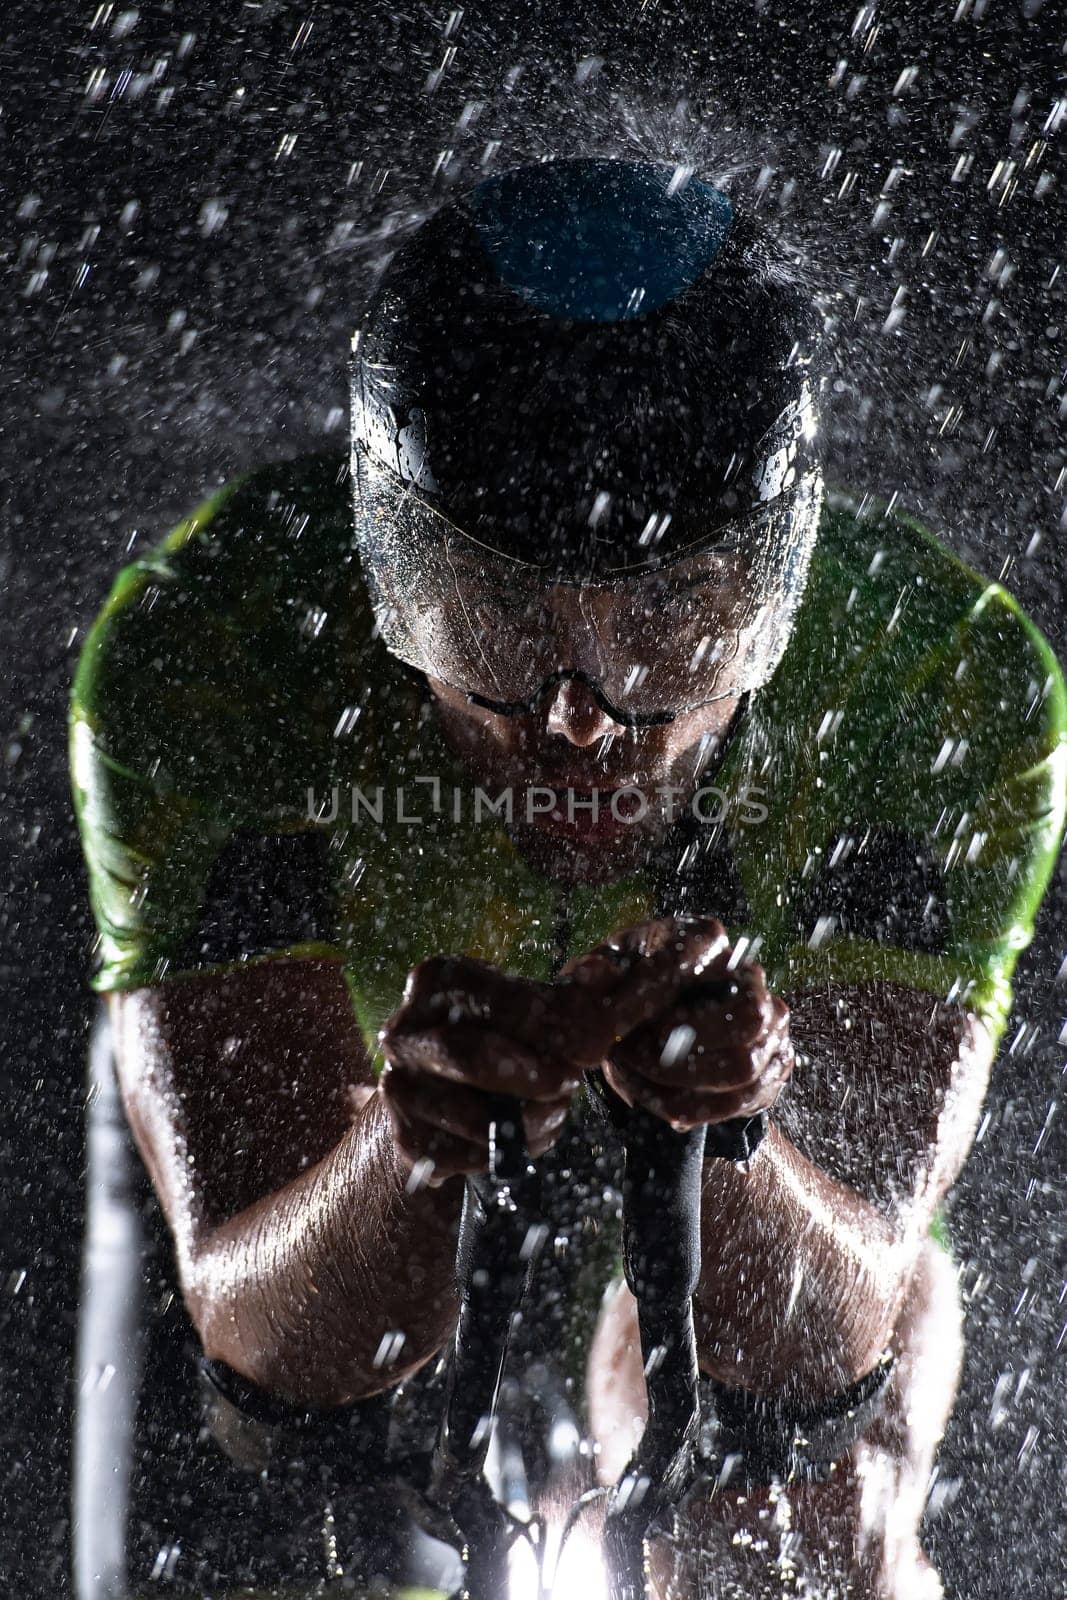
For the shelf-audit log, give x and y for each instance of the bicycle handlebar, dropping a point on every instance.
(500, 1234)
(497, 1245)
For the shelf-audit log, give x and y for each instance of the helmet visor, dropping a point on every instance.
(710, 623)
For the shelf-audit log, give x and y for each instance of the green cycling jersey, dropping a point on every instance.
(889, 807)
(256, 777)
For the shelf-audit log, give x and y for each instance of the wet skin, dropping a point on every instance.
(296, 1264)
(567, 742)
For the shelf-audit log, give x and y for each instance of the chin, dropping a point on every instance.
(568, 862)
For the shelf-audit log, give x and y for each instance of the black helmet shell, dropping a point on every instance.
(585, 366)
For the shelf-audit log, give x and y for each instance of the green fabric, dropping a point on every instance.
(899, 650)
(940, 1232)
(235, 668)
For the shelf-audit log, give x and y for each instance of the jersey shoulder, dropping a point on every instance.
(912, 749)
(190, 674)
(207, 703)
(898, 634)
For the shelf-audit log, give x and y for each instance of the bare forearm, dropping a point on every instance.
(335, 1286)
(802, 1278)
(805, 1275)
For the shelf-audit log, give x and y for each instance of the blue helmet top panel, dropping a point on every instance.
(599, 241)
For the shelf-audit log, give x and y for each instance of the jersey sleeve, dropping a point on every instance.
(1001, 741)
(174, 731)
(948, 820)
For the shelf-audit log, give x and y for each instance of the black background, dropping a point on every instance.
(194, 201)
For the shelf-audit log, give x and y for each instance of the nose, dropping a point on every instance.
(575, 716)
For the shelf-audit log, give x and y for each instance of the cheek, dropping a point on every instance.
(653, 751)
(481, 738)
(681, 744)
(497, 745)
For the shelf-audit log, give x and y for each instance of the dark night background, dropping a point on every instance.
(189, 202)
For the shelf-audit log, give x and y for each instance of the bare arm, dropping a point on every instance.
(299, 1247)
(808, 1254)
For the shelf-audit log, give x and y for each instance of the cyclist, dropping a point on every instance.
(602, 696)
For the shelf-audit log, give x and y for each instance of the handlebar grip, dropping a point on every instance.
(508, 1158)
(492, 1262)
(662, 1180)
(661, 1209)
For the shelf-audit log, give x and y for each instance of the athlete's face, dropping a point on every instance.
(567, 743)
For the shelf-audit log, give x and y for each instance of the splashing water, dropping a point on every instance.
(576, 1572)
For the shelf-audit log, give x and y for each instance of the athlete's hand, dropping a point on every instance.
(467, 1032)
(699, 1059)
